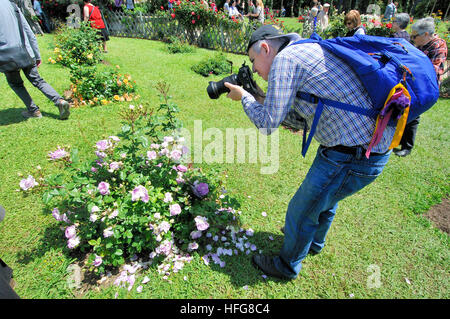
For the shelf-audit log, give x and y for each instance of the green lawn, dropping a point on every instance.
(378, 231)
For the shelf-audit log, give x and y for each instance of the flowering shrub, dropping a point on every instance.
(375, 27)
(193, 15)
(100, 85)
(137, 199)
(217, 64)
(76, 46)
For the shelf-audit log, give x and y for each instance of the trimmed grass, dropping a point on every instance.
(378, 229)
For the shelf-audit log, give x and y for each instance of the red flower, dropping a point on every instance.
(193, 21)
(162, 8)
(389, 25)
(193, 13)
(173, 15)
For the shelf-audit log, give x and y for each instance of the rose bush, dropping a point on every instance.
(76, 46)
(100, 85)
(138, 199)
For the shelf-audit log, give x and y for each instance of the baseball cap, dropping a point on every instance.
(269, 31)
(326, 5)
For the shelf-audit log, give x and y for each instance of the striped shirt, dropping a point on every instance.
(308, 68)
(436, 50)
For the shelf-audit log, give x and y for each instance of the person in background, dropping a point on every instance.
(130, 5)
(93, 14)
(322, 16)
(234, 13)
(250, 8)
(226, 7)
(239, 7)
(258, 13)
(352, 21)
(15, 82)
(389, 12)
(118, 5)
(283, 11)
(399, 24)
(41, 15)
(424, 38)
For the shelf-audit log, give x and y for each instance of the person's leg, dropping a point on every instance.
(33, 76)
(408, 138)
(325, 220)
(16, 83)
(332, 177)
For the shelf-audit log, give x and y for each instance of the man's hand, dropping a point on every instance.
(236, 91)
(38, 63)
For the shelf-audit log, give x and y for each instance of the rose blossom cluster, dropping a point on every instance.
(28, 183)
(60, 153)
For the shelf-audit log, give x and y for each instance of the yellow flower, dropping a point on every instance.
(104, 102)
(125, 81)
(95, 99)
(90, 56)
(116, 97)
(56, 50)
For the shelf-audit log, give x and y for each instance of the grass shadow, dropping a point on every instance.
(14, 116)
(51, 239)
(240, 268)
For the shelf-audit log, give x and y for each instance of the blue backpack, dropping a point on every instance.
(400, 79)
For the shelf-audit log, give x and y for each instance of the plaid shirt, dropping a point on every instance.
(308, 68)
(436, 50)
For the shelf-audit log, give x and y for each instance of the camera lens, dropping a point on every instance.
(216, 89)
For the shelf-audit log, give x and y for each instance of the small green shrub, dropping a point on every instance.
(176, 45)
(218, 64)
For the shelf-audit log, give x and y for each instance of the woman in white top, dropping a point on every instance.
(234, 11)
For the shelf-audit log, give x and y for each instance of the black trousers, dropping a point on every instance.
(6, 292)
(409, 135)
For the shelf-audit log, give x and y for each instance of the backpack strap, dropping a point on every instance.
(311, 98)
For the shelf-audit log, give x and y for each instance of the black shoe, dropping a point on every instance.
(403, 153)
(266, 264)
(310, 251)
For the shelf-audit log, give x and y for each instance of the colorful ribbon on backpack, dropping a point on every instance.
(396, 106)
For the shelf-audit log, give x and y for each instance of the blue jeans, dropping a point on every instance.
(332, 177)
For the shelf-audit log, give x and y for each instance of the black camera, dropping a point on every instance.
(244, 78)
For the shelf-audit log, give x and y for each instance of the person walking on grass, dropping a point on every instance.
(10, 18)
(340, 167)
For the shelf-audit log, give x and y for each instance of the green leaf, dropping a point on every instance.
(47, 197)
